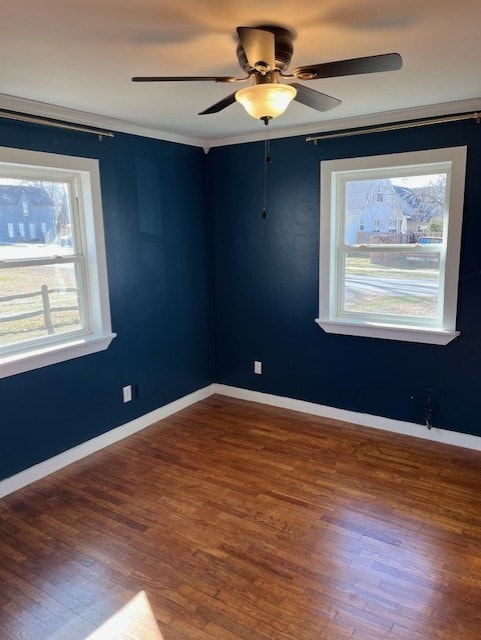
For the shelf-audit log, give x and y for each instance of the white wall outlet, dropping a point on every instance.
(258, 367)
(127, 393)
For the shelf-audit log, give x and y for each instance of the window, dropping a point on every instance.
(400, 289)
(53, 285)
(393, 225)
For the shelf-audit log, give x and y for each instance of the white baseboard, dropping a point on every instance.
(38, 471)
(435, 434)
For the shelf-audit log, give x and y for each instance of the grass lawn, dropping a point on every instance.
(29, 280)
(357, 265)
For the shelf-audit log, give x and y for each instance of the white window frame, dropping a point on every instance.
(97, 333)
(333, 172)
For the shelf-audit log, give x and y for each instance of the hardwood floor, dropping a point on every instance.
(235, 520)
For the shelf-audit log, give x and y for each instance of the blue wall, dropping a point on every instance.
(154, 202)
(183, 229)
(266, 288)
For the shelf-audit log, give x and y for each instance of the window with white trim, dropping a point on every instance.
(54, 302)
(403, 286)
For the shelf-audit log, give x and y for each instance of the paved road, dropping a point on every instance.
(369, 286)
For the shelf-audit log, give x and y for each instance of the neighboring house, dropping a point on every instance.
(378, 209)
(26, 214)
(374, 207)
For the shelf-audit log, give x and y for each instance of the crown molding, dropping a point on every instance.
(43, 109)
(342, 124)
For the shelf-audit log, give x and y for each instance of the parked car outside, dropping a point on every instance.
(430, 259)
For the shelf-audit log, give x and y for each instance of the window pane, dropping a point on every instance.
(35, 218)
(394, 210)
(37, 302)
(388, 284)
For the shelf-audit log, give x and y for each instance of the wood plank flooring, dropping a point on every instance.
(233, 520)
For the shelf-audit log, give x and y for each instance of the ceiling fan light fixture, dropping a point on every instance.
(267, 100)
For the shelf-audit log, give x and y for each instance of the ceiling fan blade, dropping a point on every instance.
(187, 79)
(218, 106)
(369, 64)
(314, 99)
(259, 47)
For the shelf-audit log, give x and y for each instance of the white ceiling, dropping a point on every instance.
(81, 54)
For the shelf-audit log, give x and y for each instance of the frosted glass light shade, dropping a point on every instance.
(267, 100)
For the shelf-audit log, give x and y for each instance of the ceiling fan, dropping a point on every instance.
(264, 53)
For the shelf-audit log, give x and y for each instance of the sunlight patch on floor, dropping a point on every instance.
(135, 621)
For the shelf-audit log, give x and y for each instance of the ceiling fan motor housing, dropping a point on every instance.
(264, 53)
(283, 48)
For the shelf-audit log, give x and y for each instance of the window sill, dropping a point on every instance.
(388, 332)
(42, 357)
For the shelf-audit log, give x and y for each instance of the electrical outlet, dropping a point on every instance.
(258, 367)
(127, 393)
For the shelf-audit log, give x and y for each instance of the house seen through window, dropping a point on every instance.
(53, 293)
(40, 286)
(389, 266)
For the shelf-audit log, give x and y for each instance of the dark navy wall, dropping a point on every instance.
(154, 203)
(266, 287)
(162, 234)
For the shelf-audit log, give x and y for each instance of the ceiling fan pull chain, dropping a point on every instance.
(267, 161)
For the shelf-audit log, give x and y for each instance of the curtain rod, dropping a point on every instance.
(51, 122)
(475, 115)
